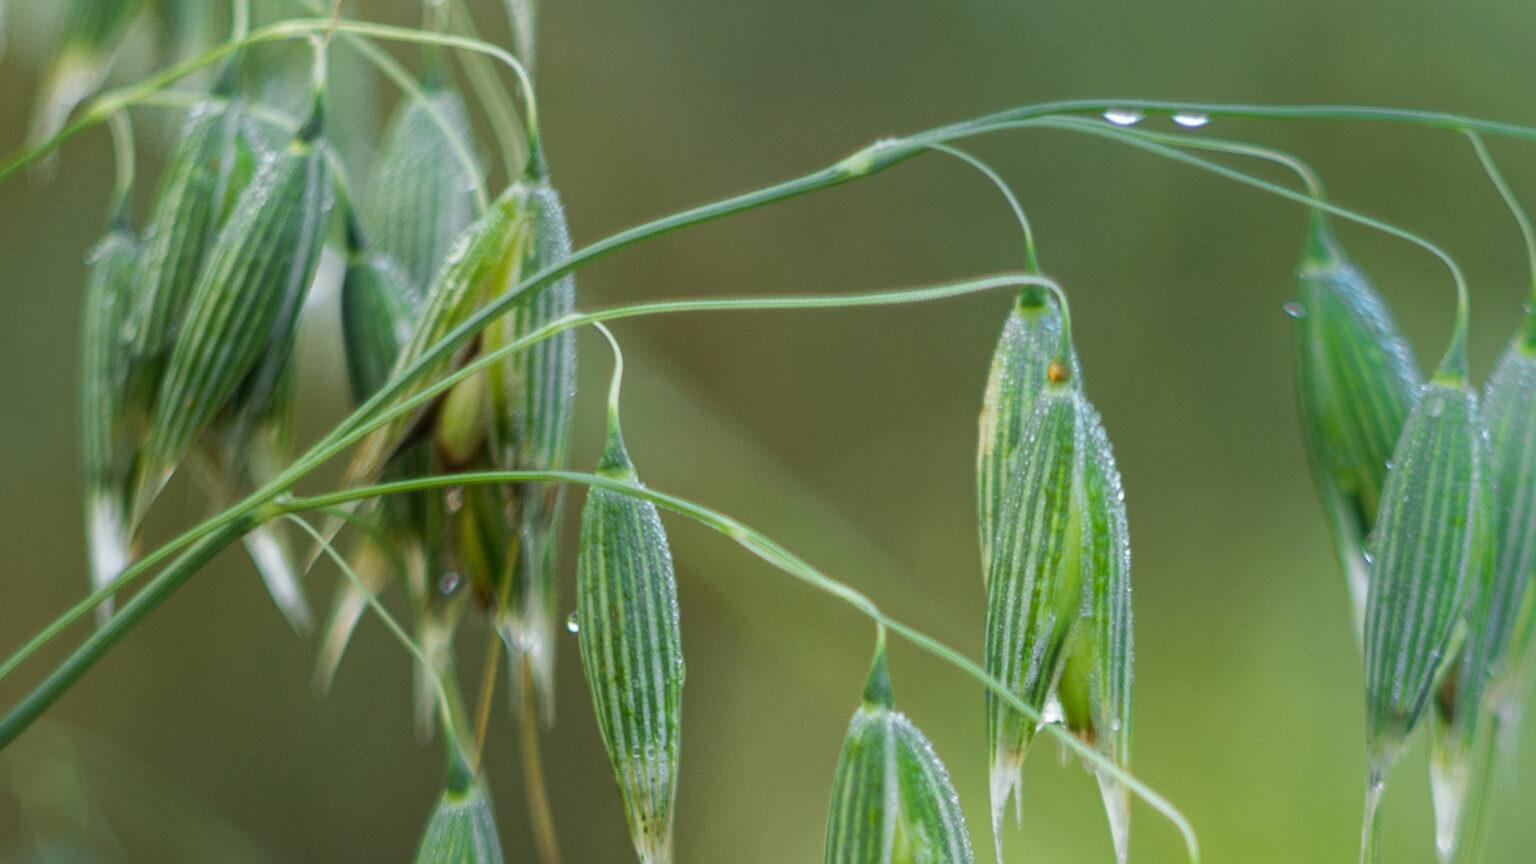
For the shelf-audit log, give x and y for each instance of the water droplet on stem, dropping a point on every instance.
(1124, 116)
(1191, 119)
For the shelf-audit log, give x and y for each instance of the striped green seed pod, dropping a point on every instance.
(1427, 552)
(93, 32)
(376, 305)
(631, 650)
(1356, 380)
(1035, 591)
(107, 451)
(244, 305)
(1509, 403)
(534, 434)
(1475, 699)
(462, 829)
(214, 159)
(1029, 339)
(1096, 678)
(423, 193)
(892, 799)
(477, 267)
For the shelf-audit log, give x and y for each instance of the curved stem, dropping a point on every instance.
(539, 811)
(449, 40)
(123, 159)
(166, 583)
(452, 723)
(391, 69)
(783, 559)
(1031, 261)
(1452, 369)
(1370, 113)
(103, 106)
(189, 99)
(259, 504)
(499, 108)
(1294, 163)
(240, 15)
(1522, 219)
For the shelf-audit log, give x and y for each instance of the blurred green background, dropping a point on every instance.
(849, 436)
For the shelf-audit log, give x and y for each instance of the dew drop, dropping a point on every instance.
(1123, 116)
(1295, 310)
(571, 624)
(449, 583)
(1191, 119)
(1529, 309)
(1436, 406)
(454, 500)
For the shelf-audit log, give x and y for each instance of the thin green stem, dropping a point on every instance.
(372, 532)
(451, 722)
(240, 14)
(1368, 113)
(359, 423)
(391, 69)
(498, 105)
(616, 380)
(123, 158)
(1295, 164)
(349, 431)
(166, 583)
(191, 98)
(449, 40)
(775, 554)
(1452, 369)
(1031, 261)
(103, 106)
(1522, 219)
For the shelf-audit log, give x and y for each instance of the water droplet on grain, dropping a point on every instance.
(448, 583)
(1123, 116)
(1191, 119)
(1436, 406)
(571, 624)
(1295, 310)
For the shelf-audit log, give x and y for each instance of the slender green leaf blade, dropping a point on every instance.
(1356, 380)
(631, 650)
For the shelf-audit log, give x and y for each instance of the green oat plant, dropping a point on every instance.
(458, 310)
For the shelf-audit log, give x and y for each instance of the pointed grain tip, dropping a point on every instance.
(877, 688)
